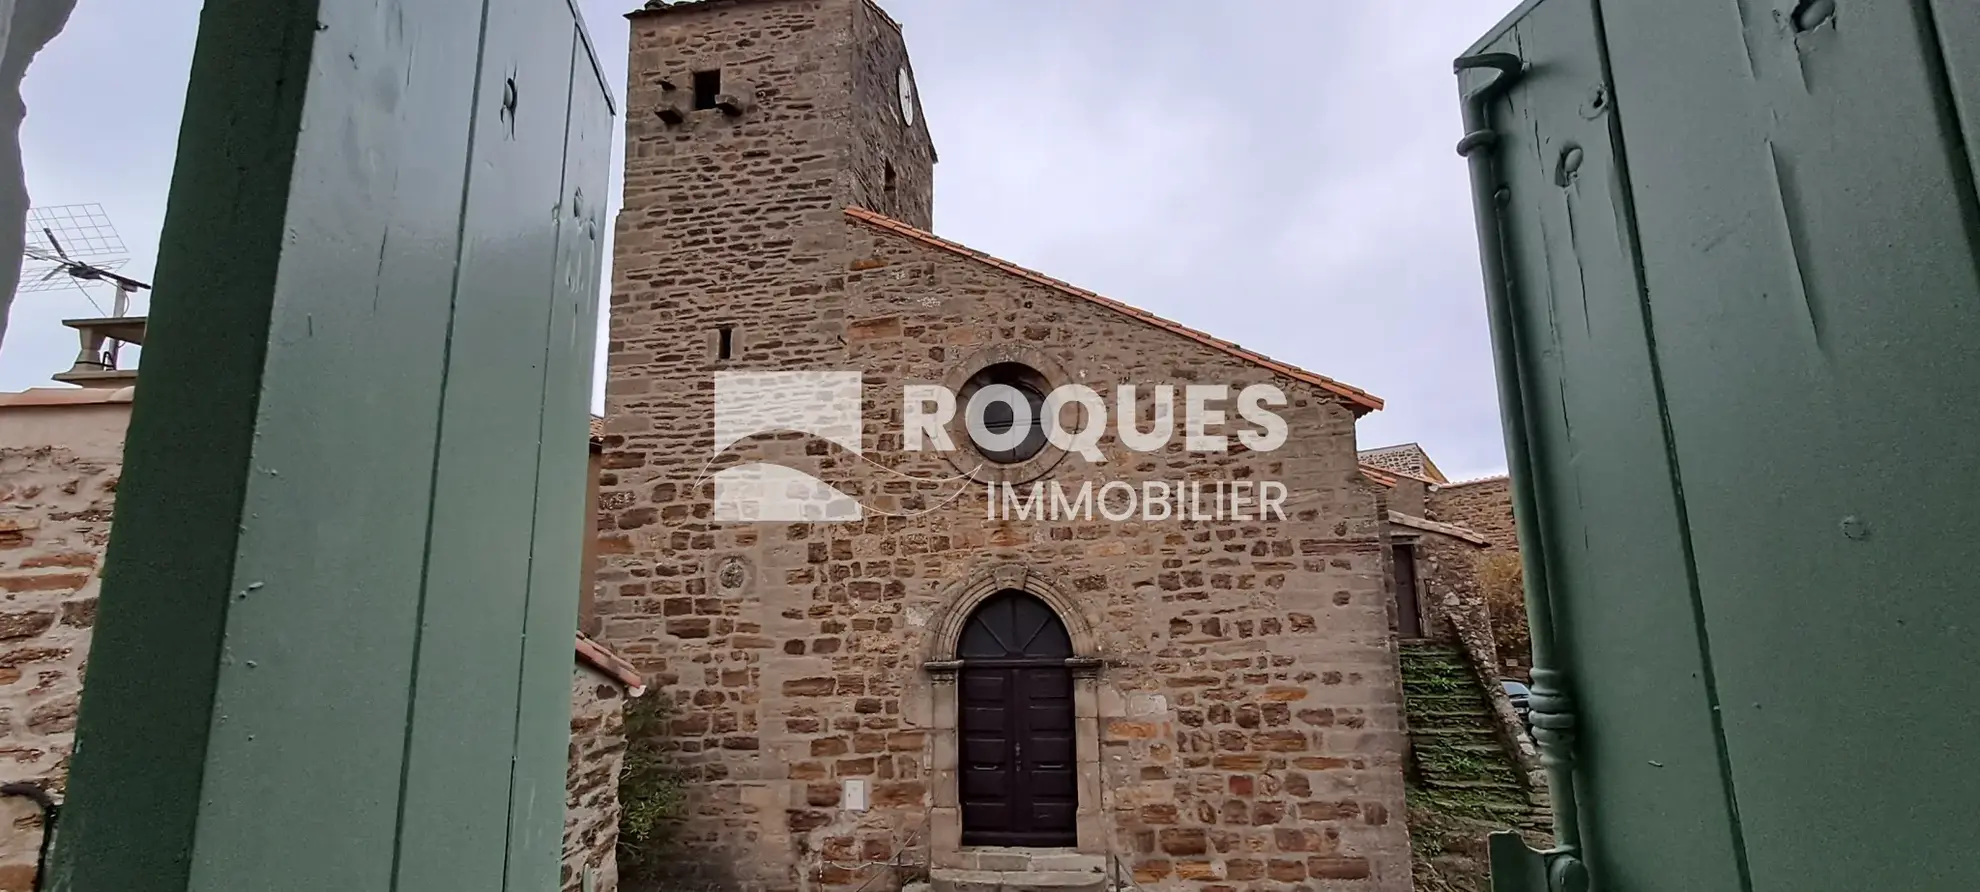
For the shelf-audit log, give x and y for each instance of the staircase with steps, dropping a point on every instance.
(1457, 759)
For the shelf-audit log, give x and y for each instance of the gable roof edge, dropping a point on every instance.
(1361, 402)
(1446, 529)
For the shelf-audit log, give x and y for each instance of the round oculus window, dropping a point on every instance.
(1004, 412)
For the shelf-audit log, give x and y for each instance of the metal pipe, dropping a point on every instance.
(49, 810)
(1552, 710)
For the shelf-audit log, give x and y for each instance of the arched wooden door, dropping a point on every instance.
(1017, 783)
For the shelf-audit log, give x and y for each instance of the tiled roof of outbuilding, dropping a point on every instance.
(1405, 458)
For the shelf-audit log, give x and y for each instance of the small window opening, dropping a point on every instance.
(725, 342)
(998, 417)
(889, 176)
(706, 85)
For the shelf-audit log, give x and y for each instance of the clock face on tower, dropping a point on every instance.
(907, 98)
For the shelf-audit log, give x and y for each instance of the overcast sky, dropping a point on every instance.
(1276, 172)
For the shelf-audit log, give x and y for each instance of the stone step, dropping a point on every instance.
(1510, 787)
(1440, 687)
(1465, 702)
(1489, 781)
(1452, 735)
(1448, 718)
(1431, 646)
(1425, 705)
(1018, 859)
(1488, 747)
(952, 880)
(1431, 653)
(1425, 671)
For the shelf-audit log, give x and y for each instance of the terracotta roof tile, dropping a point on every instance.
(1447, 529)
(1360, 400)
(601, 658)
(1379, 475)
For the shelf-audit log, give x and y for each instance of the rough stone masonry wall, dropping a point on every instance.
(54, 523)
(1482, 506)
(1248, 726)
(55, 512)
(591, 806)
(884, 141)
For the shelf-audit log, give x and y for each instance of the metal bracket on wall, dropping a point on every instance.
(34, 792)
(1516, 867)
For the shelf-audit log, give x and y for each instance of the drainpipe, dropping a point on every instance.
(1515, 868)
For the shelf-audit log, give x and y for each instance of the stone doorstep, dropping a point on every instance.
(1026, 860)
(950, 880)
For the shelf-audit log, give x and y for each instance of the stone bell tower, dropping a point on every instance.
(751, 125)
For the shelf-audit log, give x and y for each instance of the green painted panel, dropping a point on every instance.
(1800, 181)
(1808, 221)
(1955, 27)
(328, 654)
(320, 629)
(270, 520)
(1623, 602)
(543, 726)
(461, 754)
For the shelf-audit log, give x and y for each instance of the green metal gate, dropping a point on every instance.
(1733, 248)
(334, 643)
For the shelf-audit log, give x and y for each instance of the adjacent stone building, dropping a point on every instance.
(929, 686)
(61, 454)
(1483, 505)
(1407, 459)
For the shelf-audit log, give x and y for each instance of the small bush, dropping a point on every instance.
(652, 795)
(1505, 600)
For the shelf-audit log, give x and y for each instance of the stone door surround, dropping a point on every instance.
(941, 665)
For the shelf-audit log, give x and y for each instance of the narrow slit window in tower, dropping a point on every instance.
(706, 85)
(725, 342)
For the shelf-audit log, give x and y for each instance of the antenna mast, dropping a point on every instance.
(75, 246)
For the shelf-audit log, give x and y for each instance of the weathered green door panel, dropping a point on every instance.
(1799, 177)
(536, 812)
(1956, 29)
(328, 653)
(263, 572)
(333, 533)
(461, 753)
(1808, 221)
(1626, 621)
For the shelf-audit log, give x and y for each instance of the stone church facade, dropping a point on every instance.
(937, 690)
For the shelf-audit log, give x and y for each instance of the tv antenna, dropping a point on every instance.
(75, 246)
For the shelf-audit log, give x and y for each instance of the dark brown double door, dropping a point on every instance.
(1018, 783)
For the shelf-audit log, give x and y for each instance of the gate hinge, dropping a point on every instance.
(1519, 868)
